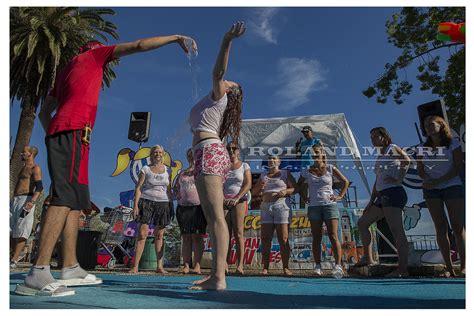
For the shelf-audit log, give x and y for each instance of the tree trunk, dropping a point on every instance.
(23, 136)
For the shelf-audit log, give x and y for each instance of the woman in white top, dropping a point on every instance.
(215, 117)
(276, 186)
(387, 201)
(151, 206)
(236, 187)
(439, 166)
(318, 180)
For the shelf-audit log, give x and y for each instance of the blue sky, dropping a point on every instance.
(291, 61)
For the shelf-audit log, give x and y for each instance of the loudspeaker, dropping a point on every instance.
(431, 108)
(139, 127)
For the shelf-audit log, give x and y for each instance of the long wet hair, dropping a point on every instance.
(387, 140)
(444, 132)
(232, 120)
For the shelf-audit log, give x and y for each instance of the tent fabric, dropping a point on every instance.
(283, 132)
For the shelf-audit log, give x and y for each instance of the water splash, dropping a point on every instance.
(193, 64)
(181, 140)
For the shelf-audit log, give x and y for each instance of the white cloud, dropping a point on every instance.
(296, 79)
(261, 24)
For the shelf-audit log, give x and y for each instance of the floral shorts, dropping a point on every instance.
(211, 158)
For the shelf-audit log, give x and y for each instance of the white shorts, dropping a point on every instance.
(276, 212)
(21, 227)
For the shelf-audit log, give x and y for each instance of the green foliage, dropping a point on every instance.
(414, 31)
(44, 39)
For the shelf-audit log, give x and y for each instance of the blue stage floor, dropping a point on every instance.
(156, 292)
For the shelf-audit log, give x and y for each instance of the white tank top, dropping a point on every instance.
(387, 165)
(235, 179)
(155, 186)
(206, 115)
(274, 184)
(437, 166)
(320, 188)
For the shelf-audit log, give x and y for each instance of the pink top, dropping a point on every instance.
(206, 115)
(187, 192)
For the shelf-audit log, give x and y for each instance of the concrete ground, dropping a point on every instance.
(303, 290)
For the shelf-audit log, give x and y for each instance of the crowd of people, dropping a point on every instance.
(212, 192)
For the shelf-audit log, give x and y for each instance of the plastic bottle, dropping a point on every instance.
(192, 53)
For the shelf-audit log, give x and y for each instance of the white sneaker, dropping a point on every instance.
(337, 271)
(317, 270)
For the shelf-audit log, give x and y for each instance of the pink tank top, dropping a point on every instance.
(187, 190)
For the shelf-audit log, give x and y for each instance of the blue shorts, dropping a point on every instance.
(323, 212)
(450, 193)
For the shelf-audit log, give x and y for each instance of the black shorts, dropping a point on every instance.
(191, 219)
(450, 193)
(68, 165)
(154, 213)
(392, 197)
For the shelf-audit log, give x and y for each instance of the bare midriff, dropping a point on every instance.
(197, 136)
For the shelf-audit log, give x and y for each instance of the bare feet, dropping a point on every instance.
(287, 271)
(363, 263)
(161, 271)
(264, 272)
(185, 269)
(197, 282)
(398, 273)
(447, 274)
(133, 270)
(239, 271)
(197, 268)
(210, 284)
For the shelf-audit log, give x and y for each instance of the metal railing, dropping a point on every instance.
(423, 242)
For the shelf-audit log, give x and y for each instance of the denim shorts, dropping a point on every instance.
(323, 212)
(392, 197)
(449, 193)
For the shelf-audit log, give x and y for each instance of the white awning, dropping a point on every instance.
(283, 132)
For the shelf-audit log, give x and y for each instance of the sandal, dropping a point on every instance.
(53, 289)
(89, 279)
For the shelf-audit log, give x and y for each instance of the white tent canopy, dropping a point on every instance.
(285, 131)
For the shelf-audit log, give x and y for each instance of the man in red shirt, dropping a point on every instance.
(74, 98)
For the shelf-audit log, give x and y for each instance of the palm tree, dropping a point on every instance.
(43, 40)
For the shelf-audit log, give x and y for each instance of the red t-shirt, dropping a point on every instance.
(77, 89)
